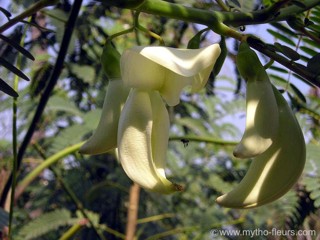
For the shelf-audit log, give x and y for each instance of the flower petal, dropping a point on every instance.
(172, 87)
(139, 72)
(105, 136)
(143, 139)
(168, 70)
(160, 132)
(185, 62)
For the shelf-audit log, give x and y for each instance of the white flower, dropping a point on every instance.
(143, 132)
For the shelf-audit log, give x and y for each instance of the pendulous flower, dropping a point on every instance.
(140, 128)
(156, 75)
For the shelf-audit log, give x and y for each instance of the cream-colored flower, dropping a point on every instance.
(154, 73)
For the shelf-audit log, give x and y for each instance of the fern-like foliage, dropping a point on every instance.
(298, 40)
(312, 173)
(45, 223)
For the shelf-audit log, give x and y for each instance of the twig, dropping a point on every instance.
(312, 78)
(15, 138)
(203, 139)
(132, 211)
(27, 13)
(223, 5)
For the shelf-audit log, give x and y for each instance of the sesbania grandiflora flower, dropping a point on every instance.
(154, 73)
(140, 128)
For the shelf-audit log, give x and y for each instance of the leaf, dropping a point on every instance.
(15, 45)
(68, 136)
(194, 42)
(303, 80)
(13, 69)
(308, 50)
(279, 69)
(236, 3)
(284, 29)
(308, 22)
(288, 52)
(254, 40)
(222, 57)
(313, 64)
(4, 87)
(272, 48)
(317, 203)
(298, 3)
(311, 43)
(311, 172)
(247, 5)
(40, 75)
(84, 72)
(281, 37)
(91, 119)
(278, 78)
(195, 125)
(218, 184)
(43, 29)
(45, 223)
(58, 103)
(298, 93)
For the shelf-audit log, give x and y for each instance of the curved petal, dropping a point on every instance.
(168, 70)
(139, 72)
(160, 132)
(105, 136)
(272, 173)
(185, 62)
(143, 139)
(172, 87)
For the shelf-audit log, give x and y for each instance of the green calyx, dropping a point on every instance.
(110, 60)
(248, 63)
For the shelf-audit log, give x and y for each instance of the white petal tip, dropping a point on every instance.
(250, 151)
(88, 148)
(228, 203)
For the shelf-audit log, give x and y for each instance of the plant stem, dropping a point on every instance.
(202, 139)
(14, 150)
(45, 164)
(132, 211)
(223, 5)
(218, 21)
(14, 138)
(27, 13)
(213, 19)
(303, 72)
(155, 218)
(72, 231)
